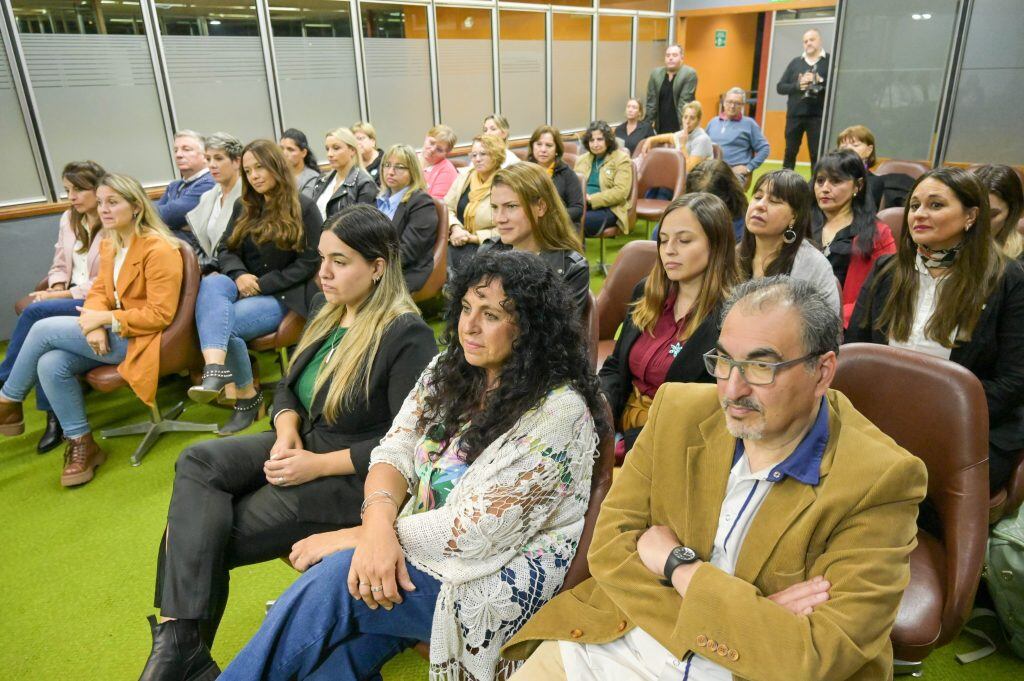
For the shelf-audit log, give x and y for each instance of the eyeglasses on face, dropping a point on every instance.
(397, 167)
(754, 372)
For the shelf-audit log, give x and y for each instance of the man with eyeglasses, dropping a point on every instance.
(744, 146)
(761, 528)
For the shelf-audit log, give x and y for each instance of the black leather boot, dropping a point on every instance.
(179, 653)
(215, 378)
(245, 413)
(53, 434)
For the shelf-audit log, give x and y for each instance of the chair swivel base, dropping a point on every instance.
(157, 426)
(906, 668)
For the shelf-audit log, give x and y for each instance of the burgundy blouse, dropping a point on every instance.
(652, 355)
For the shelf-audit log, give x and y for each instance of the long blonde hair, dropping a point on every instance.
(368, 232)
(146, 220)
(406, 155)
(552, 231)
(348, 138)
(720, 276)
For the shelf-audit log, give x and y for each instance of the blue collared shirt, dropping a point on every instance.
(804, 464)
(387, 202)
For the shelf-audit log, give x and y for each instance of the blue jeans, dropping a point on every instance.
(597, 220)
(226, 322)
(55, 353)
(316, 630)
(41, 309)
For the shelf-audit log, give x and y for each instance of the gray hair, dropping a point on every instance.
(823, 328)
(226, 142)
(737, 91)
(194, 135)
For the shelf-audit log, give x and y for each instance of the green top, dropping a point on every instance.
(594, 181)
(304, 386)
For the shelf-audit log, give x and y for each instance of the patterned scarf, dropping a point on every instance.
(941, 259)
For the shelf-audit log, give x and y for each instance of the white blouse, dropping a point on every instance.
(79, 265)
(924, 308)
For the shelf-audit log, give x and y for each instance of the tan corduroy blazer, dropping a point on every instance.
(149, 285)
(616, 181)
(857, 527)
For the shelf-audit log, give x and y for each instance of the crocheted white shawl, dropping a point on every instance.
(502, 542)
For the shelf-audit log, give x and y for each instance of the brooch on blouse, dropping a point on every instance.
(675, 349)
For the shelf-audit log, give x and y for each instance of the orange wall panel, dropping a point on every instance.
(775, 130)
(720, 68)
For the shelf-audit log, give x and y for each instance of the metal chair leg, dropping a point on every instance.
(914, 670)
(157, 425)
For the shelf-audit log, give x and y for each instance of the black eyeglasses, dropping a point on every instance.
(754, 372)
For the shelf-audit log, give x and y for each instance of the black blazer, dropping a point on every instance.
(358, 187)
(876, 189)
(285, 274)
(569, 189)
(995, 353)
(642, 131)
(687, 367)
(570, 265)
(416, 223)
(405, 350)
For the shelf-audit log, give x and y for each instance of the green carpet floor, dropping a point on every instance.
(77, 566)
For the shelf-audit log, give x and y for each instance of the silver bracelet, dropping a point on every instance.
(366, 505)
(371, 495)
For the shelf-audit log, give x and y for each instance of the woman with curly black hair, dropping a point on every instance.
(474, 502)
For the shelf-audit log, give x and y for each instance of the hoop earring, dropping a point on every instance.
(789, 236)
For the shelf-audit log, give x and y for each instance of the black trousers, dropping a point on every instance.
(796, 126)
(224, 514)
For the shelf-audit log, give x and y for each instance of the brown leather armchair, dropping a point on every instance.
(179, 351)
(24, 302)
(893, 217)
(905, 394)
(1005, 501)
(662, 167)
(716, 151)
(287, 334)
(914, 169)
(569, 158)
(438, 276)
(633, 263)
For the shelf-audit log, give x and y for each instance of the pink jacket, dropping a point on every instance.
(63, 250)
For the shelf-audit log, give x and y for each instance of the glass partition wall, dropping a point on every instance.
(110, 81)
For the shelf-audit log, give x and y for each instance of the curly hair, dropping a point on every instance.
(537, 300)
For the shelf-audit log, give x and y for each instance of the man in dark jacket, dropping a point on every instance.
(183, 195)
(668, 89)
(804, 83)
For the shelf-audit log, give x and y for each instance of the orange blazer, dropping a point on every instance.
(148, 285)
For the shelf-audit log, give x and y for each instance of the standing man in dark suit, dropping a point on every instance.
(669, 88)
(804, 83)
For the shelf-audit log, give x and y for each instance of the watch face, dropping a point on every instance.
(684, 554)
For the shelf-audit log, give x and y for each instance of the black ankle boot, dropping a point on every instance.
(215, 377)
(53, 434)
(246, 412)
(179, 653)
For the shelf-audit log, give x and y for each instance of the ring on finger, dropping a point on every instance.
(376, 589)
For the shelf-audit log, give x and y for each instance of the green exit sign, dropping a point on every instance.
(720, 38)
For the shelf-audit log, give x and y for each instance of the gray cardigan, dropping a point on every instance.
(199, 217)
(811, 265)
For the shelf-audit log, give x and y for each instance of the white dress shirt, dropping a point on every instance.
(924, 308)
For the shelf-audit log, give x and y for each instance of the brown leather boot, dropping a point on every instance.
(11, 420)
(81, 458)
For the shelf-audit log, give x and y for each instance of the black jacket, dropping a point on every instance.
(416, 223)
(995, 353)
(642, 131)
(570, 265)
(687, 367)
(570, 190)
(876, 189)
(796, 103)
(285, 274)
(358, 187)
(404, 352)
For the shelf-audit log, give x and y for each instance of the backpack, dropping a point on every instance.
(1004, 575)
